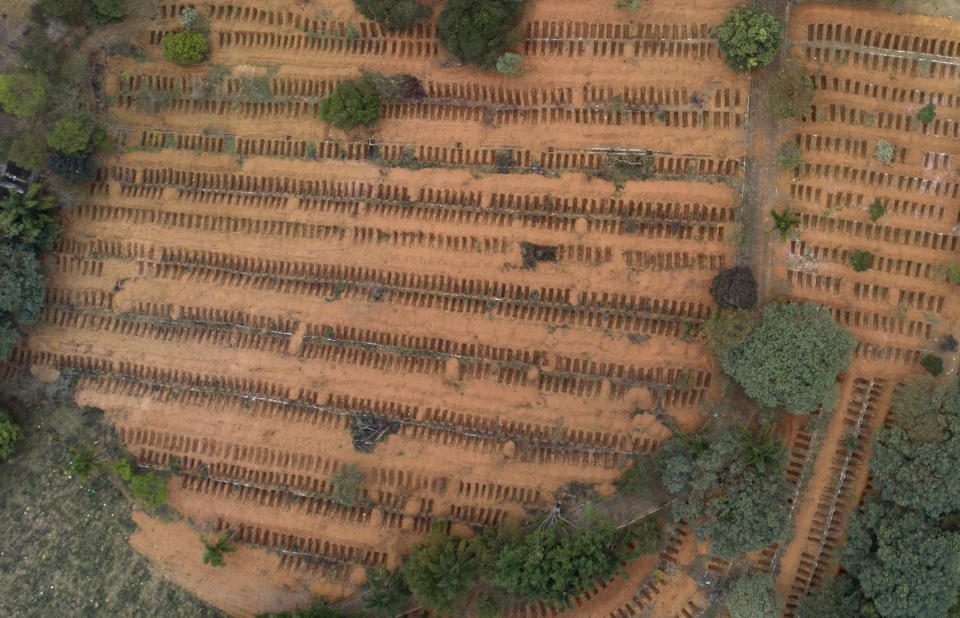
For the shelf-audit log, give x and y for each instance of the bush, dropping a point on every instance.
(10, 432)
(749, 38)
(791, 92)
(76, 132)
(876, 210)
(619, 168)
(352, 104)
(151, 488)
(102, 12)
(28, 219)
(788, 156)
(861, 260)
(478, 31)
(735, 287)
(187, 47)
(754, 596)
(76, 167)
(638, 479)
(22, 94)
(191, 20)
(727, 328)
(927, 114)
(952, 272)
(213, 551)
(348, 484)
(394, 15)
(29, 151)
(81, 463)
(511, 65)
(885, 151)
(933, 364)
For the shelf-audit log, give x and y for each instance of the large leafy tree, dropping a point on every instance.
(352, 104)
(749, 37)
(754, 596)
(441, 571)
(187, 47)
(792, 358)
(478, 31)
(837, 597)
(29, 151)
(21, 293)
(906, 564)
(23, 94)
(394, 15)
(30, 219)
(729, 500)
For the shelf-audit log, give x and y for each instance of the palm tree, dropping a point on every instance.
(782, 222)
(214, 553)
(761, 451)
(388, 592)
(29, 218)
(697, 444)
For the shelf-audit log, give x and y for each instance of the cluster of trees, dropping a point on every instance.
(394, 15)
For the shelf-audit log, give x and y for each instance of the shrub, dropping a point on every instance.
(726, 328)
(927, 114)
(784, 221)
(885, 151)
(619, 168)
(478, 31)
(511, 65)
(23, 95)
(861, 260)
(29, 151)
(76, 132)
(151, 488)
(735, 287)
(952, 272)
(352, 104)
(791, 92)
(29, 219)
(933, 364)
(638, 479)
(76, 167)
(70, 11)
(10, 432)
(749, 38)
(191, 20)
(753, 596)
(348, 484)
(647, 535)
(213, 551)
(788, 156)
(877, 210)
(102, 12)
(81, 463)
(394, 15)
(187, 47)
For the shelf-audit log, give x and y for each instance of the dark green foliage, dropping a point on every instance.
(41, 57)
(791, 92)
(619, 168)
(647, 536)
(348, 484)
(30, 220)
(394, 15)
(727, 328)
(76, 167)
(478, 31)
(749, 38)
(838, 597)
(151, 488)
(5, 142)
(792, 358)
(388, 592)
(214, 550)
(928, 113)
(861, 260)
(70, 11)
(754, 596)
(77, 132)
(29, 151)
(784, 221)
(10, 432)
(187, 47)
(948, 344)
(102, 12)
(732, 503)
(352, 104)
(761, 450)
(933, 364)
(82, 463)
(441, 571)
(788, 156)
(735, 287)
(877, 210)
(21, 292)
(24, 94)
(640, 478)
(906, 564)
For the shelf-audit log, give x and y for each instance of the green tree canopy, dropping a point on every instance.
(23, 94)
(214, 550)
(76, 167)
(837, 597)
(75, 132)
(21, 292)
(754, 596)
(478, 31)
(151, 488)
(187, 47)
(30, 219)
(352, 104)
(102, 12)
(441, 570)
(388, 592)
(394, 15)
(10, 432)
(791, 358)
(29, 151)
(727, 328)
(906, 564)
(749, 37)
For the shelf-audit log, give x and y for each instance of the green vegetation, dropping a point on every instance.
(192, 20)
(478, 31)
(319, 609)
(788, 156)
(76, 167)
(861, 260)
(511, 65)
(21, 300)
(885, 151)
(10, 433)
(150, 488)
(388, 594)
(927, 114)
(348, 484)
(186, 47)
(214, 550)
(952, 272)
(619, 168)
(791, 92)
(933, 364)
(735, 287)
(761, 450)
(441, 571)
(102, 12)
(876, 210)
(81, 463)
(791, 358)
(394, 15)
(29, 151)
(749, 38)
(784, 221)
(754, 596)
(76, 133)
(837, 597)
(727, 328)
(23, 94)
(640, 478)
(352, 104)
(30, 220)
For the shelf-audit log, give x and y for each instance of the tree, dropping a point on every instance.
(647, 536)
(10, 432)
(753, 596)
(906, 564)
(30, 219)
(214, 550)
(102, 12)
(792, 358)
(933, 364)
(441, 570)
(761, 450)
(187, 47)
(511, 65)
(791, 92)
(81, 462)
(876, 210)
(352, 104)
(191, 20)
(749, 38)
(76, 132)
(348, 484)
(837, 597)
(726, 328)
(639, 478)
(478, 31)
(861, 260)
(388, 592)
(928, 113)
(21, 292)
(77, 167)
(23, 94)
(784, 221)
(788, 156)
(394, 15)
(28, 151)
(735, 287)
(70, 11)
(151, 488)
